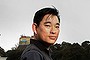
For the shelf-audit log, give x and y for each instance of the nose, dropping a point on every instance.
(53, 30)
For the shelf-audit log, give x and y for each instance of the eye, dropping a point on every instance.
(47, 25)
(57, 26)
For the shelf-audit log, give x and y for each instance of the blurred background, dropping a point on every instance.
(16, 18)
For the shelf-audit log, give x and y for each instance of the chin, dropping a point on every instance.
(51, 43)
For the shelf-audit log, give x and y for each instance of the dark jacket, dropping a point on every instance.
(37, 50)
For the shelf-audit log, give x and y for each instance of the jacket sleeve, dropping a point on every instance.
(32, 55)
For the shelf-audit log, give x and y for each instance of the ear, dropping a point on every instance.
(34, 28)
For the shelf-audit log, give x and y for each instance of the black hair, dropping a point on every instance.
(42, 12)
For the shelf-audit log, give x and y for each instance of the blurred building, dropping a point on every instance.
(24, 40)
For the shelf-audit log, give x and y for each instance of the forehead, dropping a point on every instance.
(50, 18)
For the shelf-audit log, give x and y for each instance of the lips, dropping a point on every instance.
(52, 37)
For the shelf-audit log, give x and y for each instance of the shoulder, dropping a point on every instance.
(31, 53)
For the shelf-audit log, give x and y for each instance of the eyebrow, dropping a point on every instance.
(50, 23)
(47, 22)
(57, 23)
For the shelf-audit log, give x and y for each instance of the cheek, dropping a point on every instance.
(45, 30)
(45, 34)
(58, 32)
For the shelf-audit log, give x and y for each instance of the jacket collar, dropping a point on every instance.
(41, 45)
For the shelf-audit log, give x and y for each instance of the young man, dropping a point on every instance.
(46, 29)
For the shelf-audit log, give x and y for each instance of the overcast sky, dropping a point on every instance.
(16, 19)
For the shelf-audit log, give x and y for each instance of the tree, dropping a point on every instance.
(86, 47)
(14, 54)
(2, 52)
(68, 51)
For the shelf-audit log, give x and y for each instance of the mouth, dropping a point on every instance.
(52, 37)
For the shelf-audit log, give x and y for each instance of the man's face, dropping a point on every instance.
(48, 29)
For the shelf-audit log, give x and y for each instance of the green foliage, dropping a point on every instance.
(14, 54)
(68, 51)
(64, 51)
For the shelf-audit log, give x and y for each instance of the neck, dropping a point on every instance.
(43, 42)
